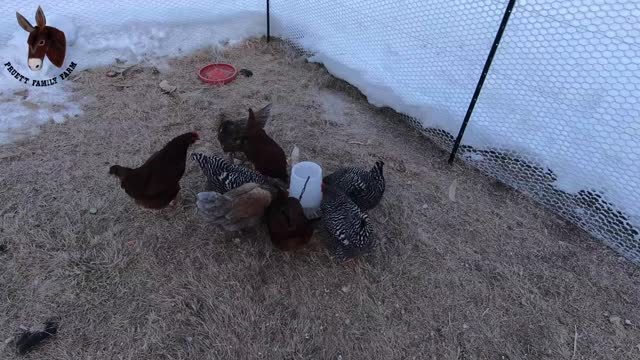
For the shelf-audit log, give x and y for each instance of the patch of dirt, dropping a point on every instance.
(487, 276)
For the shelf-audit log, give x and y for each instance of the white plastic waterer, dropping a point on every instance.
(313, 192)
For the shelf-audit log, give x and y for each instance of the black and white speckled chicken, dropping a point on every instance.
(364, 187)
(224, 176)
(347, 225)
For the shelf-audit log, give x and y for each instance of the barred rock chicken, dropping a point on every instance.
(365, 188)
(266, 155)
(288, 228)
(232, 133)
(346, 223)
(239, 208)
(156, 183)
(224, 176)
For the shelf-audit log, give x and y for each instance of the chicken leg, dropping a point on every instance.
(174, 203)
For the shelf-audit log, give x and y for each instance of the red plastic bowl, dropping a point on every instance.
(218, 74)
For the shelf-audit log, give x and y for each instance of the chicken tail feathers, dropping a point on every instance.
(119, 171)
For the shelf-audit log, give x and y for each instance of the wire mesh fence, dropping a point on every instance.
(132, 29)
(116, 33)
(95, 14)
(558, 116)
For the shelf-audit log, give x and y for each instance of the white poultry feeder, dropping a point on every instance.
(312, 195)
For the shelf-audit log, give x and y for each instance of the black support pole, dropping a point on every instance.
(485, 71)
(268, 23)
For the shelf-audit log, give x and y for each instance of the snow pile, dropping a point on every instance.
(562, 91)
(99, 33)
(422, 60)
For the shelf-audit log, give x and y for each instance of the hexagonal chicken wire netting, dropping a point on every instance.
(558, 116)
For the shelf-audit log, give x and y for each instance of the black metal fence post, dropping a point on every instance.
(485, 71)
(268, 23)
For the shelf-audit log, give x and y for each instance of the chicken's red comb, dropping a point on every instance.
(195, 134)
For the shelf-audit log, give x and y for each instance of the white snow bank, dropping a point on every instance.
(563, 88)
(98, 33)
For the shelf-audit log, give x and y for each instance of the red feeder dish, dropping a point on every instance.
(218, 74)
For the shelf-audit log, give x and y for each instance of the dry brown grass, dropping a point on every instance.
(491, 276)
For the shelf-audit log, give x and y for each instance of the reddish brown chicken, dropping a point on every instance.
(232, 133)
(265, 154)
(288, 227)
(157, 182)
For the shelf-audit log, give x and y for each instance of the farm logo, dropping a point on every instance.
(43, 41)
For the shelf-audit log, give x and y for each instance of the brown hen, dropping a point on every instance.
(157, 182)
(288, 228)
(232, 133)
(267, 156)
(239, 208)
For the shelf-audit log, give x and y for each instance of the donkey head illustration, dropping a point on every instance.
(43, 40)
